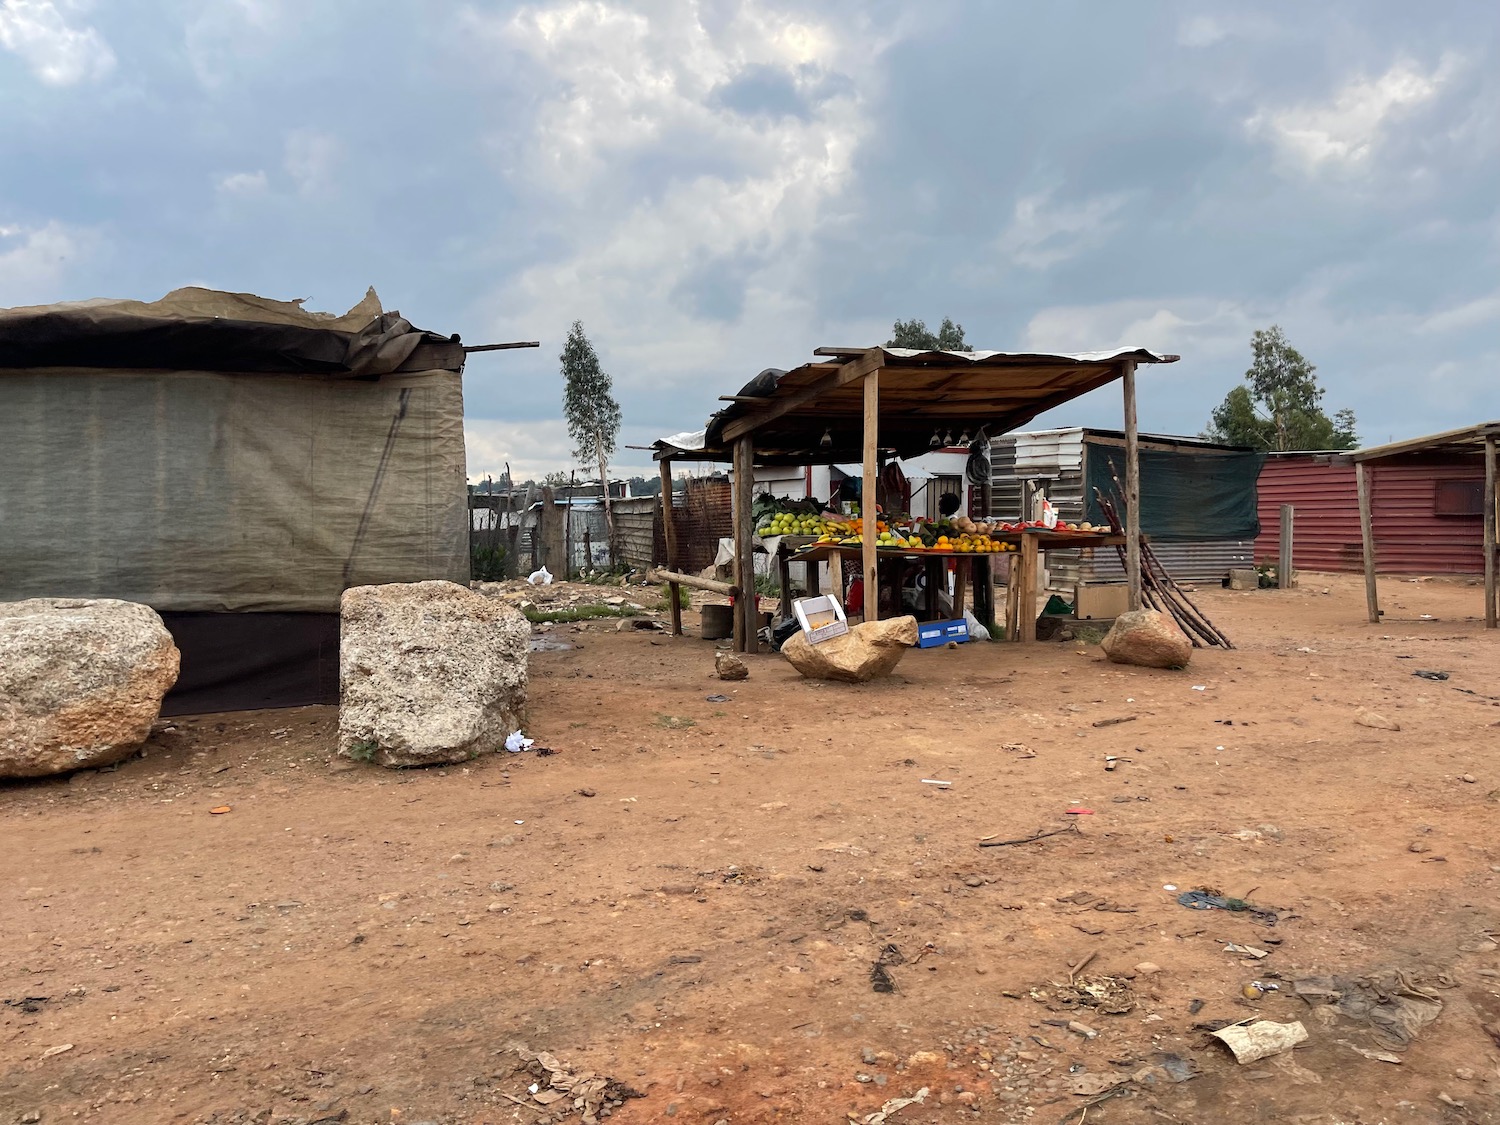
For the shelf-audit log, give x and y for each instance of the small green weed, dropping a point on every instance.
(364, 750)
(673, 722)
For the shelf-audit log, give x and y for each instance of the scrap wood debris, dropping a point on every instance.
(1071, 826)
(556, 1084)
(1110, 995)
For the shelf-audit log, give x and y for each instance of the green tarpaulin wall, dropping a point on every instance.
(1186, 496)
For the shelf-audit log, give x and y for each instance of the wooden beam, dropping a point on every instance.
(725, 589)
(847, 373)
(1367, 539)
(1491, 609)
(502, 347)
(1132, 498)
(744, 559)
(867, 492)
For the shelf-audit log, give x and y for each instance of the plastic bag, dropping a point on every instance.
(541, 577)
(1049, 514)
(977, 632)
(516, 742)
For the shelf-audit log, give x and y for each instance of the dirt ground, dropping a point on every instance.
(698, 898)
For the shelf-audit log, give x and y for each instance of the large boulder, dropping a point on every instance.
(429, 673)
(81, 682)
(1147, 638)
(867, 651)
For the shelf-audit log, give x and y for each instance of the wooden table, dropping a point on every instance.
(1020, 590)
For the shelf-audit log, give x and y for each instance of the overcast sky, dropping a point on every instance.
(719, 186)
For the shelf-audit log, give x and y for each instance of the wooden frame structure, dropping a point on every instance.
(1471, 440)
(866, 404)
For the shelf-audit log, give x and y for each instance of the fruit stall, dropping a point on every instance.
(873, 406)
(904, 544)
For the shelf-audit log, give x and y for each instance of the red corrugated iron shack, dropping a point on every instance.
(1429, 503)
(1427, 510)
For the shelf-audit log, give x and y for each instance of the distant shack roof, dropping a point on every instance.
(206, 330)
(789, 413)
(1470, 439)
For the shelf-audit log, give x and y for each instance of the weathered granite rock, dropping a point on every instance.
(1147, 638)
(728, 666)
(429, 673)
(867, 651)
(81, 682)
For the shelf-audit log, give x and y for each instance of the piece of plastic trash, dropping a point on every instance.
(1169, 886)
(1200, 687)
(1261, 1039)
(219, 810)
(977, 632)
(542, 577)
(515, 742)
(935, 781)
(1079, 812)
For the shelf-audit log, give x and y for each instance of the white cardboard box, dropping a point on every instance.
(821, 617)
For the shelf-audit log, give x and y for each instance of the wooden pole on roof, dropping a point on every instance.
(1132, 496)
(744, 530)
(1367, 540)
(867, 494)
(1491, 610)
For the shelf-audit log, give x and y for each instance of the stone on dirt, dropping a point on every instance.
(867, 651)
(1375, 720)
(1147, 638)
(1244, 578)
(81, 682)
(429, 673)
(728, 666)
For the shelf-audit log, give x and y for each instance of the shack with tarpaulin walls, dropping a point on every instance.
(873, 404)
(1198, 499)
(235, 463)
(1448, 475)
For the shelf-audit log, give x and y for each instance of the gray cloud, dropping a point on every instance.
(720, 187)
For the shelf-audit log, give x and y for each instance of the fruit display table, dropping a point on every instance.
(1021, 590)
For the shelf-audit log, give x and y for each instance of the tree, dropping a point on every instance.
(914, 334)
(1278, 407)
(592, 413)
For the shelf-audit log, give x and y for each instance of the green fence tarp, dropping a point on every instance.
(1186, 496)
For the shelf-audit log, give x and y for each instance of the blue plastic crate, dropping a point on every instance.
(930, 634)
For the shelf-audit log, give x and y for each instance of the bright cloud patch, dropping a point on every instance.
(57, 52)
(531, 448)
(33, 262)
(1347, 129)
(243, 184)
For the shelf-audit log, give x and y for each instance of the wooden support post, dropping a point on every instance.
(1027, 592)
(1491, 609)
(984, 569)
(784, 571)
(1284, 560)
(744, 559)
(1132, 506)
(1367, 537)
(961, 575)
(668, 524)
(674, 594)
(669, 534)
(1013, 598)
(867, 494)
